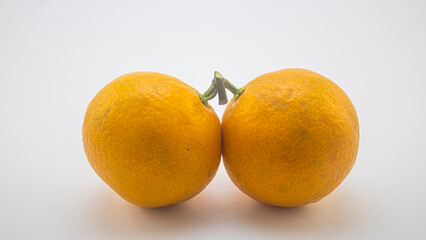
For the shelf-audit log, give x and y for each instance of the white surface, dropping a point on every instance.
(55, 56)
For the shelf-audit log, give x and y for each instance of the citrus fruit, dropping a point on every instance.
(290, 138)
(151, 139)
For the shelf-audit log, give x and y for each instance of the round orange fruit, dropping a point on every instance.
(290, 138)
(151, 139)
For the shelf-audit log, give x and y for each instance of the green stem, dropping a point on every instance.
(231, 87)
(218, 86)
(211, 95)
(236, 91)
(211, 89)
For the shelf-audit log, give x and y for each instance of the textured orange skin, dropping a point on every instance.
(150, 138)
(290, 138)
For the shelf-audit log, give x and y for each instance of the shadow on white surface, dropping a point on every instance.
(108, 214)
(338, 212)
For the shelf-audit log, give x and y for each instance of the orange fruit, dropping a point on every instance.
(290, 138)
(151, 139)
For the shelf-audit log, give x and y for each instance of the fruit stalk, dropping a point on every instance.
(220, 83)
(218, 86)
(236, 91)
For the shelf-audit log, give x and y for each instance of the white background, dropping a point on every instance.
(56, 55)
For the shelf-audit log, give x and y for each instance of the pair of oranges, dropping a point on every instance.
(288, 137)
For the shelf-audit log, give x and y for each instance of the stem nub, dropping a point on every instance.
(220, 83)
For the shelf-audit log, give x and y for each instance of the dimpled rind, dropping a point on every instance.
(149, 137)
(290, 138)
